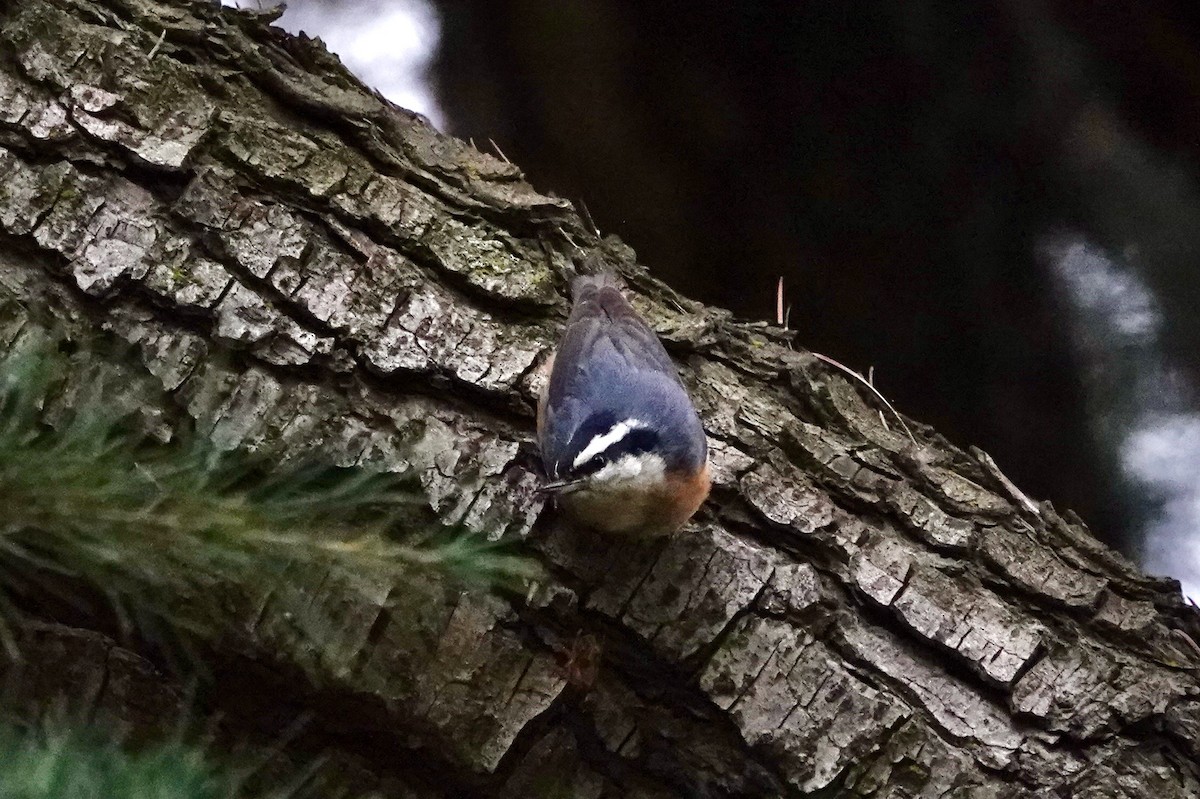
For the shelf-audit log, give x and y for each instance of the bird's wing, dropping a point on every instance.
(605, 349)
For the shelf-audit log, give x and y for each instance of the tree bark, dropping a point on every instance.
(299, 265)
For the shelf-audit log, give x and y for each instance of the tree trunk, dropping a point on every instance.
(299, 265)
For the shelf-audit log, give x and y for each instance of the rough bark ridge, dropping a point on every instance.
(300, 264)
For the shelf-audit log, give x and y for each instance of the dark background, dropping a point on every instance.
(994, 204)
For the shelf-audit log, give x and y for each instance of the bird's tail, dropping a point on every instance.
(593, 273)
(582, 285)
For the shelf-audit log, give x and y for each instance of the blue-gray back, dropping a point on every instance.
(610, 367)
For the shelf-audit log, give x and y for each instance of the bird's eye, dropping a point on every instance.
(592, 465)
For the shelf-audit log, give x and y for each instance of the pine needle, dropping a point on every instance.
(870, 386)
(54, 759)
(54, 765)
(94, 501)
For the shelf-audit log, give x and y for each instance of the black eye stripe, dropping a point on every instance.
(595, 425)
(590, 467)
(636, 442)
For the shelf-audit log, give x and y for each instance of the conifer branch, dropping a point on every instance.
(94, 500)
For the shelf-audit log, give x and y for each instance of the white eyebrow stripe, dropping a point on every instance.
(605, 440)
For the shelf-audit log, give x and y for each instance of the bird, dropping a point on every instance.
(622, 446)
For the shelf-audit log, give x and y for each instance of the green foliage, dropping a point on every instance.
(58, 765)
(186, 544)
(169, 532)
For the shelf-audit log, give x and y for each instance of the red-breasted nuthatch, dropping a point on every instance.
(621, 442)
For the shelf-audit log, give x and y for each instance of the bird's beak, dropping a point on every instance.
(560, 486)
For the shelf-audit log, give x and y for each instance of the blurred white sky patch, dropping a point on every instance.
(1123, 305)
(1137, 399)
(1166, 455)
(389, 44)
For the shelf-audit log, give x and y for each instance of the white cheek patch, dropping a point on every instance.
(646, 468)
(605, 440)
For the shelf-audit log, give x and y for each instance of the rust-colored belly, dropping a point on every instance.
(640, 510)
